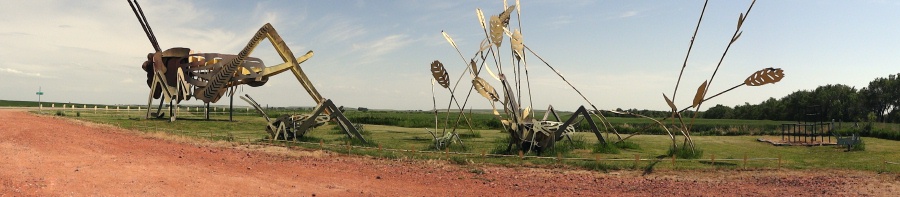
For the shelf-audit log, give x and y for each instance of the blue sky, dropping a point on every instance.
(376, 54)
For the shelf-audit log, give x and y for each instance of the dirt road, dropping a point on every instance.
(43, 155)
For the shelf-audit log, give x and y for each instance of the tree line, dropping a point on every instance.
(879, 101)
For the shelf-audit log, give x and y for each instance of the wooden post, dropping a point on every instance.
(673, 161)
(482, 154)
(322, 143)
(637, 158)
(521, 154)
(447, 152)
(379, 148)
(745, 161)
(348, 147)
(597, 159)
(558, 158)
(779, 161)
(713, 161)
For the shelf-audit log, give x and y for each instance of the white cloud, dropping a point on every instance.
(374, 50)
(628, 14)
(27, 74)
(342, 30)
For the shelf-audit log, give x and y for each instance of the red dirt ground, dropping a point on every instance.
(50, 156)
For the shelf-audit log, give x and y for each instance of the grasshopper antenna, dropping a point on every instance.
(144, 24)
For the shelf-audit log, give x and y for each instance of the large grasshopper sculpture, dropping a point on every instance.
(178, 73)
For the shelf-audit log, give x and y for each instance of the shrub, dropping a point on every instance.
(861, 146)
(686, 153)
(500, 146)
(60, 113)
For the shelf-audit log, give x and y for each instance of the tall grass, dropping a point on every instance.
(685, 153)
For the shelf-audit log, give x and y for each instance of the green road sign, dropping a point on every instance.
(40, 93)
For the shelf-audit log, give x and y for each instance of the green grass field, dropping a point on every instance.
(728, 151)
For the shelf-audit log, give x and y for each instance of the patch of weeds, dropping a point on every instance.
(389, 155)
(500, 147)
(336, 129)
(685, 153)
(628, 145)
(861, 146)
(606, 148)
(459, 160)
(356, 142)
(229, 136)
(60, 113)
(566, 146)
(78, 114)
(577, 142)
(614, 148)
(417, 138)
(307, 138)
(454, 147)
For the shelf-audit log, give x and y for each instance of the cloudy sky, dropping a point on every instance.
(376, 54)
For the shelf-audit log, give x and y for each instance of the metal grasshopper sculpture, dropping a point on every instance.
(178, 73)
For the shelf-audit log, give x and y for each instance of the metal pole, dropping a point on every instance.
(39, 99)
(207, 111)
(231, 107)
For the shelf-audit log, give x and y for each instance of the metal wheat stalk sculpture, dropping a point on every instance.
(526, 132)
(762, 77)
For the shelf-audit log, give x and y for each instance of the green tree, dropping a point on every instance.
(719, 112)
(882, 96)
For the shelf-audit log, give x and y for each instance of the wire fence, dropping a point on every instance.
(120, 109)
(348, 148)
